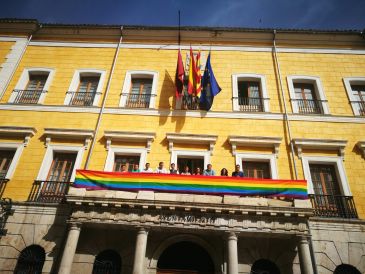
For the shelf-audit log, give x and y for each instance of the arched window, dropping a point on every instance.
(107, 262)
(30, 260)
(185, 257)
(263, 266)
(346, 269)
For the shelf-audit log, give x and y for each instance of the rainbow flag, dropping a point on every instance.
(210, 185)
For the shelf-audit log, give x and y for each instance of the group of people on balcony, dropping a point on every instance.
(209, 171)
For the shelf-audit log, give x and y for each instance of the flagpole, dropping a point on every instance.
(179, 31)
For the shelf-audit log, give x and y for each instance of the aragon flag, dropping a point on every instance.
(179, 76)
(198, 76)
(192, 74)
(210, 87)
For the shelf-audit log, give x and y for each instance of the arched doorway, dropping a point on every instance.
(184, 258)
(346, 269)
(263, 266)
(107, 262)
(30, 260)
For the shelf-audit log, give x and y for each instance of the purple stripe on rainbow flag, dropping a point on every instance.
(210, 185)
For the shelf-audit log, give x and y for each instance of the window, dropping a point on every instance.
(258, 170)
(85, 88)
(249, 93)
(32, 86)
(6, 156)
(107, 261)
(139, 89)
(9, 157)
(62, 167)
(192, 162)
(128, 160)
(30, 260)
(355, 88)
(307, 95)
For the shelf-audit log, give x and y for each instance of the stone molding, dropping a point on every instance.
(24, 132)
(130, 136)
(361, 146)
(327, 144)
(186, 138)
(86, 134)
(254, 141)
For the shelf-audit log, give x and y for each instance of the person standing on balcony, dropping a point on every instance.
(147, 169)
(161, 169)
(173, 170)
(209, 171)
(198, 171)
(124, 169)
(237, 172)
(224, 172)
(186, 171)
(136, 168)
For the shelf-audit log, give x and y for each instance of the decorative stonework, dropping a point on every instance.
(361, 146)
(182, 138)
(255, 141)
(23, 132)
(129, 136)
(327, 144)
(82, 134)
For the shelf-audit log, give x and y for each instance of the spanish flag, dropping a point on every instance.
(192, 74)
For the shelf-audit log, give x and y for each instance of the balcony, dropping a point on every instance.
(27, 96)
(360, 106)
(306, 106)
(137, 100)
(82, 98)
(190, 102)
(250, 104)
(48, 191)
(3, 183)
(333, 206)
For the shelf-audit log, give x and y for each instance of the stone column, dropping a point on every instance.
(140, 252)
(70, 248)
(232, 260)
(306, 266)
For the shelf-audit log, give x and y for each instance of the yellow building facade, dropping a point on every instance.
(292, 106)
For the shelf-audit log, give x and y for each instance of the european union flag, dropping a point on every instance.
(210, 87)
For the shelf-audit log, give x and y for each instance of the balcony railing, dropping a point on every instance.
(27, 96)
(190, 102)
(249, 104)
(307, 106)
(3, 183)
(360, 106)
(48, 191)
(137, 100)
(333, 206)
(82, 98)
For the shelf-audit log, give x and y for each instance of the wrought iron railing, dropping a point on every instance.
(190, 102)
(3, 183)
(82, 98)
(250, 104)
(360, 106)
(48, 191)
(307, 106)
(27, 96)
(336, 206)
(137, 100)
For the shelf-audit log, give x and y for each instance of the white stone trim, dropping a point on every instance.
(327, 144)
(361, 147)
(250, 77)
(255, 141)
(83, 134)
(318, 89)
(129, 136)
(76, 81)
(348, 81)
(202, 47)
(190, 153)
(109, 163)
(24, 79)
(18, 147)
(259, 157)
(340, 171)
(142, 74)
(24, 132)
(183, 138)
(48, 158)
(11, 38)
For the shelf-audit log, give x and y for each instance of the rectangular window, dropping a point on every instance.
(62, 167)
(140, 93)
(86, 91)
(6, 156)
(306, 98)
(249, 96)
(128, 160)
(192, 163)
(258, 170)
(324, 179)
(33, 89)
(358, 92)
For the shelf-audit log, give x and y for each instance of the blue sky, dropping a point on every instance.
(314, 14)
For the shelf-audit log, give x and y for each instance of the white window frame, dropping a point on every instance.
(339, 168)
(24, 79)
(18, 147)
(318, 89)
(190, 153)
(140, 74)
(258, 157)
(76, 81)
(113, 151)
(348, 81)
(250, 77)
(48, 159)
